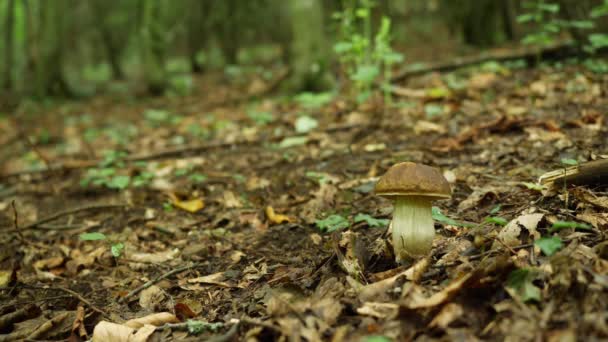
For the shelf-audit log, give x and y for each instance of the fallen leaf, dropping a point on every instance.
(276, 218)
(190, 205)
(212, 279)
(156, 319)
(151, 298)
(448, 314)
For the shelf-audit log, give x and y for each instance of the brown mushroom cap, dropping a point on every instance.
(411, 179)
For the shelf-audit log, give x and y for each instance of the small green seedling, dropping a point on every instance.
(549, 245)
(559, 225)
(371, 221)
(521, 281)
(332, 223)
(439, 217)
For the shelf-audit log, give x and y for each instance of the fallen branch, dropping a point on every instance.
(593, 172)
(522, 52)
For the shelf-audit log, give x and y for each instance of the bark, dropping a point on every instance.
(308, 50)
(8, 48)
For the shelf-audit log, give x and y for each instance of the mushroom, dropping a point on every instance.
(412, 187)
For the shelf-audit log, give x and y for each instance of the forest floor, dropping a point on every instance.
(254, 217)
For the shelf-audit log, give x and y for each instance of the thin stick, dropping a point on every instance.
(55, 216)
(156, 280)
(74, 294)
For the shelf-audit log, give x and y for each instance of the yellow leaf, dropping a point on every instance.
(276, 218)
(190, 205)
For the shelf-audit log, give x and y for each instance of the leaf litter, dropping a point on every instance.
(258, 221)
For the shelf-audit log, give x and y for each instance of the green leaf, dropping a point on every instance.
(568, 161)
(196, 327)
(260, 118)
(293, 141)
(116, 249)
(332, 223)
(119, 182)
(533, 186)
(314, 100)
(438, 216)
(497, 220)
(371, 221)
(431, 110)
(366, 74)
(197, 177)
(92, 236)
(549, 245)
(319, 177)
(559, 225)
(521, 281)
(496, 209)
(305, 124)
(598, 40)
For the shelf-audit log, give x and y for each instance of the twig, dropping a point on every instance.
(55, 216)
(566, 48)
(74, 294)
(156, 280)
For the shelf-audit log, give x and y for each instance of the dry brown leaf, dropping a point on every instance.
(413, 274)
(107, 331)
(424, 127)
(151, 298)
(440, 297)
(156, 319)
(211, 279)
(158, 257)
(509, 234)
(447, 315)
(276, 218)
(379, 310)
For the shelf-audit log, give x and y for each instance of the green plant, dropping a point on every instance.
(111, 174)
(116, 248)
(544, 16)
(332, 223)
(365, 57)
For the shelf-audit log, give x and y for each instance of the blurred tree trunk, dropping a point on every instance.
(196, 31)
(109, 40)
(309, 50)
(7, 83)
(481, 22)
(230, 28)
(153, 41)
(48, 49)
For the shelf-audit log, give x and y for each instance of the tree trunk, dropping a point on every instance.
(8, 48)
(113, 52)
(309, 60)
(196, 32)
(153, 39)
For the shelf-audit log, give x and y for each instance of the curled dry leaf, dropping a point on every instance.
(156, 319)
(413, 274)
(447, 315)
(440, 297)
(151, 298)
(190, 205)
(379, 310)
(276, 218)
(509, 235)
(107, 331)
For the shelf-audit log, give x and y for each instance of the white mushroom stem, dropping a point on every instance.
(413, 228)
